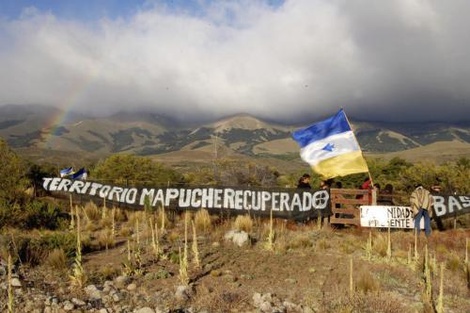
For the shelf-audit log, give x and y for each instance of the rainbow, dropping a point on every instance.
(65, 107)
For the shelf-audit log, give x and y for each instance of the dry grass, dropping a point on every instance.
(322, 244)
(380, 244)
(120, 215)
(431, 152)
(125, 231)
(173, 236)
(442, 249)
(57, 259)
(293, 240)
(318, 260)
(92, 212)
(388, 302)
(366, 282)
(454, 263)
(220, 300)
(162, 219)
(243, 223)
(105, 238)
(108, 272)
(136, 217)
(202, 221)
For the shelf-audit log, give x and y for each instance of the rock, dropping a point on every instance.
(257, 299)
(131, 287)
(93, 292)
(145, 310)
(15, 282)
(266, 307)
(183, 293)
(238, 237)
(121, 281)
(117, 296)
(269, 303)
(108, 286)
(292, 307)
(308, 310)
(51, 300)
(68, 306)
(78, 302)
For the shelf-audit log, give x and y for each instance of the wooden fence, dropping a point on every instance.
(345, 205)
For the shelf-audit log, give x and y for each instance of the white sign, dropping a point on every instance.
(388, 216)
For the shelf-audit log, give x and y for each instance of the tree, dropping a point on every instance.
(36, 173)
(13, 170)
(135, 170)
(242, 173)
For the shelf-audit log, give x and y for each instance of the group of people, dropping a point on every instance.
(304, 183)
(421, 199)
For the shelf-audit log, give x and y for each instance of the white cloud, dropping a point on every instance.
(399, 60)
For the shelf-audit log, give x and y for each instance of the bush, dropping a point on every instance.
(244, 223)
(32, 214)
(44, 215)
(12, 173)
(202, 220)
(57, 259)
(34, 248)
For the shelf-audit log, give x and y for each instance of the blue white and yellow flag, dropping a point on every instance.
(331, 148)
(81, 174)
(66, 171)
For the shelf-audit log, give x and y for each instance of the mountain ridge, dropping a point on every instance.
(150, 133)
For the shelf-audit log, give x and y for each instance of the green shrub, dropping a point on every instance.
(44, 215)
(32, 214)
(34, 248)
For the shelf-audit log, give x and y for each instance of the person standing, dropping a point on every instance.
(304, 182)
(421, 204)
(326, 184)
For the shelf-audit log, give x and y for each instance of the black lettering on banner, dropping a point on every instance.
(399, 217)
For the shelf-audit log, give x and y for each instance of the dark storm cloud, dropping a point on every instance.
(402, 60)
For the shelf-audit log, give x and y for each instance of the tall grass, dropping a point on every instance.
(78, 277)
(351, 279)
(440, 299)
(270, 239)
(202, 221)
(183, 258)
(244, 223)
(195, 248)
(11, 299)
(368, 247)
(57, 259)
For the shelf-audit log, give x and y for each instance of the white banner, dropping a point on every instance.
(388, 216)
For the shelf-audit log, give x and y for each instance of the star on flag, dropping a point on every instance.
(329, 147)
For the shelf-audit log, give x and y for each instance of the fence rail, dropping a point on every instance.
(345, 205)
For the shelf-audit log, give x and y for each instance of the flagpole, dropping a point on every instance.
(368, 171)
(330, 147)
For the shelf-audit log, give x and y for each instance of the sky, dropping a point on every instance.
(291, 60)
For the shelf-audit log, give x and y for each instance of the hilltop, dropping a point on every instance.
(43, 133)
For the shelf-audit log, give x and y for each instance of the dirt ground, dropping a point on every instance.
(308, 269)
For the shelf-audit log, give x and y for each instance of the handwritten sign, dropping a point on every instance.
(388, 216)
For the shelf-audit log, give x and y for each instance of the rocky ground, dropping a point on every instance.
(307, 269)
